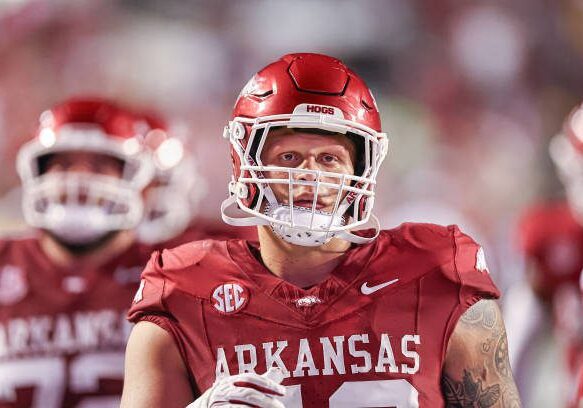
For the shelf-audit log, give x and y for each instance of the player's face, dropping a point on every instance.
(88, 163)
(305, 150)
(85, 162)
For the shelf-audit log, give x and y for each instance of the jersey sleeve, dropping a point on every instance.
(470, 273)
(471, 270)
(148, 303)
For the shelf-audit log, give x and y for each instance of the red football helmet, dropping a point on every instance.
(176, 189)
(307, 91)
(566, 151)
(80, 207)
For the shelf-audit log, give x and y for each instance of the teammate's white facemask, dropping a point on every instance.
(81, 208)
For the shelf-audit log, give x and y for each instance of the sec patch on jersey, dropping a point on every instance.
(230, 297)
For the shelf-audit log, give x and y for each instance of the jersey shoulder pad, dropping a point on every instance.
(420, 235)
(189, 254)
(194, 269)
(431, 241)
(470, 269)
(413, 249)
(425, 248)
(198, 266)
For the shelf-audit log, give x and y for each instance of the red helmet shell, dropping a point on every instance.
(89, 124)
(113, 120)
(295, 79)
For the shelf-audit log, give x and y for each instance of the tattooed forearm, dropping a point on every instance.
(477, 370)
(469, 392)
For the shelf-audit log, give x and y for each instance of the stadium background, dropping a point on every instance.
(470, 93)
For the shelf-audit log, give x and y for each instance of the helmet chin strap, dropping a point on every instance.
(233, 215)
(373, 223)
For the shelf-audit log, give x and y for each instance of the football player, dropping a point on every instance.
(326, 310)
(551, 240)
(64, 290)
(171, 215)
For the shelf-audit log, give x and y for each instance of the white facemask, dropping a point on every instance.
(80, 208)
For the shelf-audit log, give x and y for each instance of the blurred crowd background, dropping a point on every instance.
(470, 92)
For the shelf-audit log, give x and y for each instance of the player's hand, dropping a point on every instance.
(244, 390)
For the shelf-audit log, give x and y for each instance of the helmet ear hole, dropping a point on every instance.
(251, 199)
(255, 144)
(42, 163)
(252, 196)
(360, 159)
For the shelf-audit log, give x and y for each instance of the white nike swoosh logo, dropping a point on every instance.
(367, 290)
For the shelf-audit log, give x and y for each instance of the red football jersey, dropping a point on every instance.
(63, 332)
(373, 334)
(551, 238)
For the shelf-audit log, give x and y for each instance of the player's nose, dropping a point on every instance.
(311, 166)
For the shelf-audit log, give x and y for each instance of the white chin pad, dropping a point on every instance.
(309, 228)
(77, 224)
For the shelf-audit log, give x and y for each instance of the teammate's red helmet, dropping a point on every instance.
(89, 124)
(81, 207)
(309, 91)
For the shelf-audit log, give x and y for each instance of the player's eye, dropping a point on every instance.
(328, 158)
(288, 157)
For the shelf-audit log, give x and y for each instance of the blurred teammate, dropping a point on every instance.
(578, 395)
(175, 190)
(340, 317)
(551, 238)
(171, 215)
(65, 289)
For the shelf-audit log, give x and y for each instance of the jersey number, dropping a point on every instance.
(47, 376)
(382, 393)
